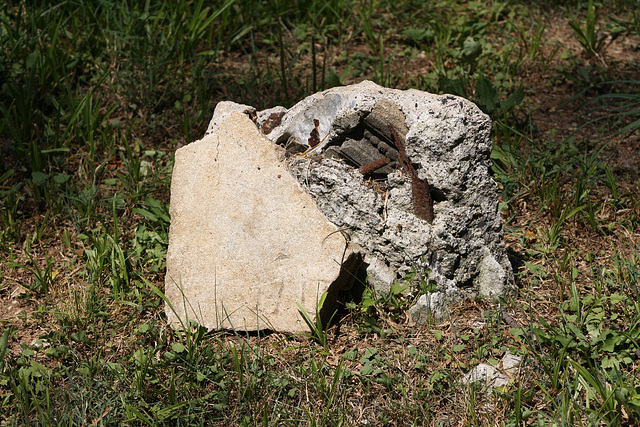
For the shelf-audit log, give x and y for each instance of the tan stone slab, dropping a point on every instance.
(246, 242)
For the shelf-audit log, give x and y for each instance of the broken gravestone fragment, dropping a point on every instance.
(276, 207)
(246, 243)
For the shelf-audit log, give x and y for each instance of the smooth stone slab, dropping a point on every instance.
(246, 243)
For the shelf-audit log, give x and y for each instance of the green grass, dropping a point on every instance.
(94, 99)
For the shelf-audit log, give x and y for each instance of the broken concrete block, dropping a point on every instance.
(246, 242)
(447, 144)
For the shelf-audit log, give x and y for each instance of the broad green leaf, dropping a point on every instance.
(513, 100)
(398, 288)
(367, 368)
(145, 213)
(471, 49)
(458, 348)
(178, 347)
(39, 178)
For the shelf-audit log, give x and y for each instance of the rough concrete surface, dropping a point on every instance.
(447, 140)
